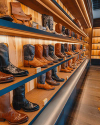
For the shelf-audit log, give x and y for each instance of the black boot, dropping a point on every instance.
(51, 53)
(55, 77)
(19, 100)
(74, 48)
(7, 66)
(63, 50)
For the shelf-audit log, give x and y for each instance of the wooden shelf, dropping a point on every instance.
(7, 87)
(95, 43)
(49, 8)
(40, 95)
(95, 57)
(77, 9)
(14, 29)
(95, 49)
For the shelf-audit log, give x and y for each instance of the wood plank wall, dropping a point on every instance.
(16, 43)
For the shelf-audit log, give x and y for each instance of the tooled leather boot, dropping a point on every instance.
(39, 54)
(63, 50)
(4, 11)
(7, 66)
(52, 55)
(58, 28)
(8, 113)
(29, 57)
(20, 102)
(46, 53)
(58, 50)
(55, 77)
(49, 79)
(64, 69)
(42, 84)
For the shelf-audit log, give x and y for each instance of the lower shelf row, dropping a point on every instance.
(51, 81)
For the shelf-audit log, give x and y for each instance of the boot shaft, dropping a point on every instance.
(63, 30)
(19, 93)
(66, 46)
(51, 50)
(62, 48)
(29, 52)
(49, 75)
(73, 47)
(3, 7)
(45, 50)
(4, 55)
(63, 66)
(54, 71)
(58, 28)
(38, 51)
(5, 102)
(41, 79)
(57, 48)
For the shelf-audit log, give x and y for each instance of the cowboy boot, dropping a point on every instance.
(67, 49)
(64, 69)
(70, 49)
(74, 48)
(58, 28)
(39, 54)
(8, 113)
(5, 78)
(68, 32)
(49, 79)
(46, 53)
(67, 66)
(7, 66)
(4, 11)
(20, 102)
(63, 30)
(29, 57)
(55, 77)
(58, 50)
(70, 65)
(42, 84)
(63, 50)
(52, 55)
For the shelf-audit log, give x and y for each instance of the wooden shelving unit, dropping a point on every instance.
(40, 95)
(13, 29)
(50, 8)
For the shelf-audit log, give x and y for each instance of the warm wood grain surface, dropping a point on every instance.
(85, 111)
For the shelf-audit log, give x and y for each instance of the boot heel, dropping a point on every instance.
(2, 120)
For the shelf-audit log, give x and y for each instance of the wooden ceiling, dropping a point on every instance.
(76, 8)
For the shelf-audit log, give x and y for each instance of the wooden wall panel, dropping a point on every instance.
(96, 32)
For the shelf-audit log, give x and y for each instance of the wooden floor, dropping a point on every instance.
(85, 111)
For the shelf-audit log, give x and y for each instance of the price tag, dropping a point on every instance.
(38, 69)
(67, 78)
(45, 101)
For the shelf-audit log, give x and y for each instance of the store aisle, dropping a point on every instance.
(85, 111)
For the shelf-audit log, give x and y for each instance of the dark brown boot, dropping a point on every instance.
(46, 53)
(49, 79)
(6, 77)
(39, 54)
(8, 113)
(58, 50)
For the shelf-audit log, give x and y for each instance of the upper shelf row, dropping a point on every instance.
(60, 16)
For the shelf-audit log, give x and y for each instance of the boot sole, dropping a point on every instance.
(3, 120)
(11, 80)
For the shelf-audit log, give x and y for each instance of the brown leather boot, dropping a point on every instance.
(46, 53)
(58, 50)
(29, 59)
(39, 54)
(8, 113)
(49, 79)
(64, 69)
(6, 77)
(67, 49)
(58, 28)
(42, 84)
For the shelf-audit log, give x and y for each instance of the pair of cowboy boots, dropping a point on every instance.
(58, 50)
(19, 16)
(4, 11)
(6, 65)
(66, 46)
(64, 69)
(48, 80)
(33, 56)
(52, 55)
(46, 54)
